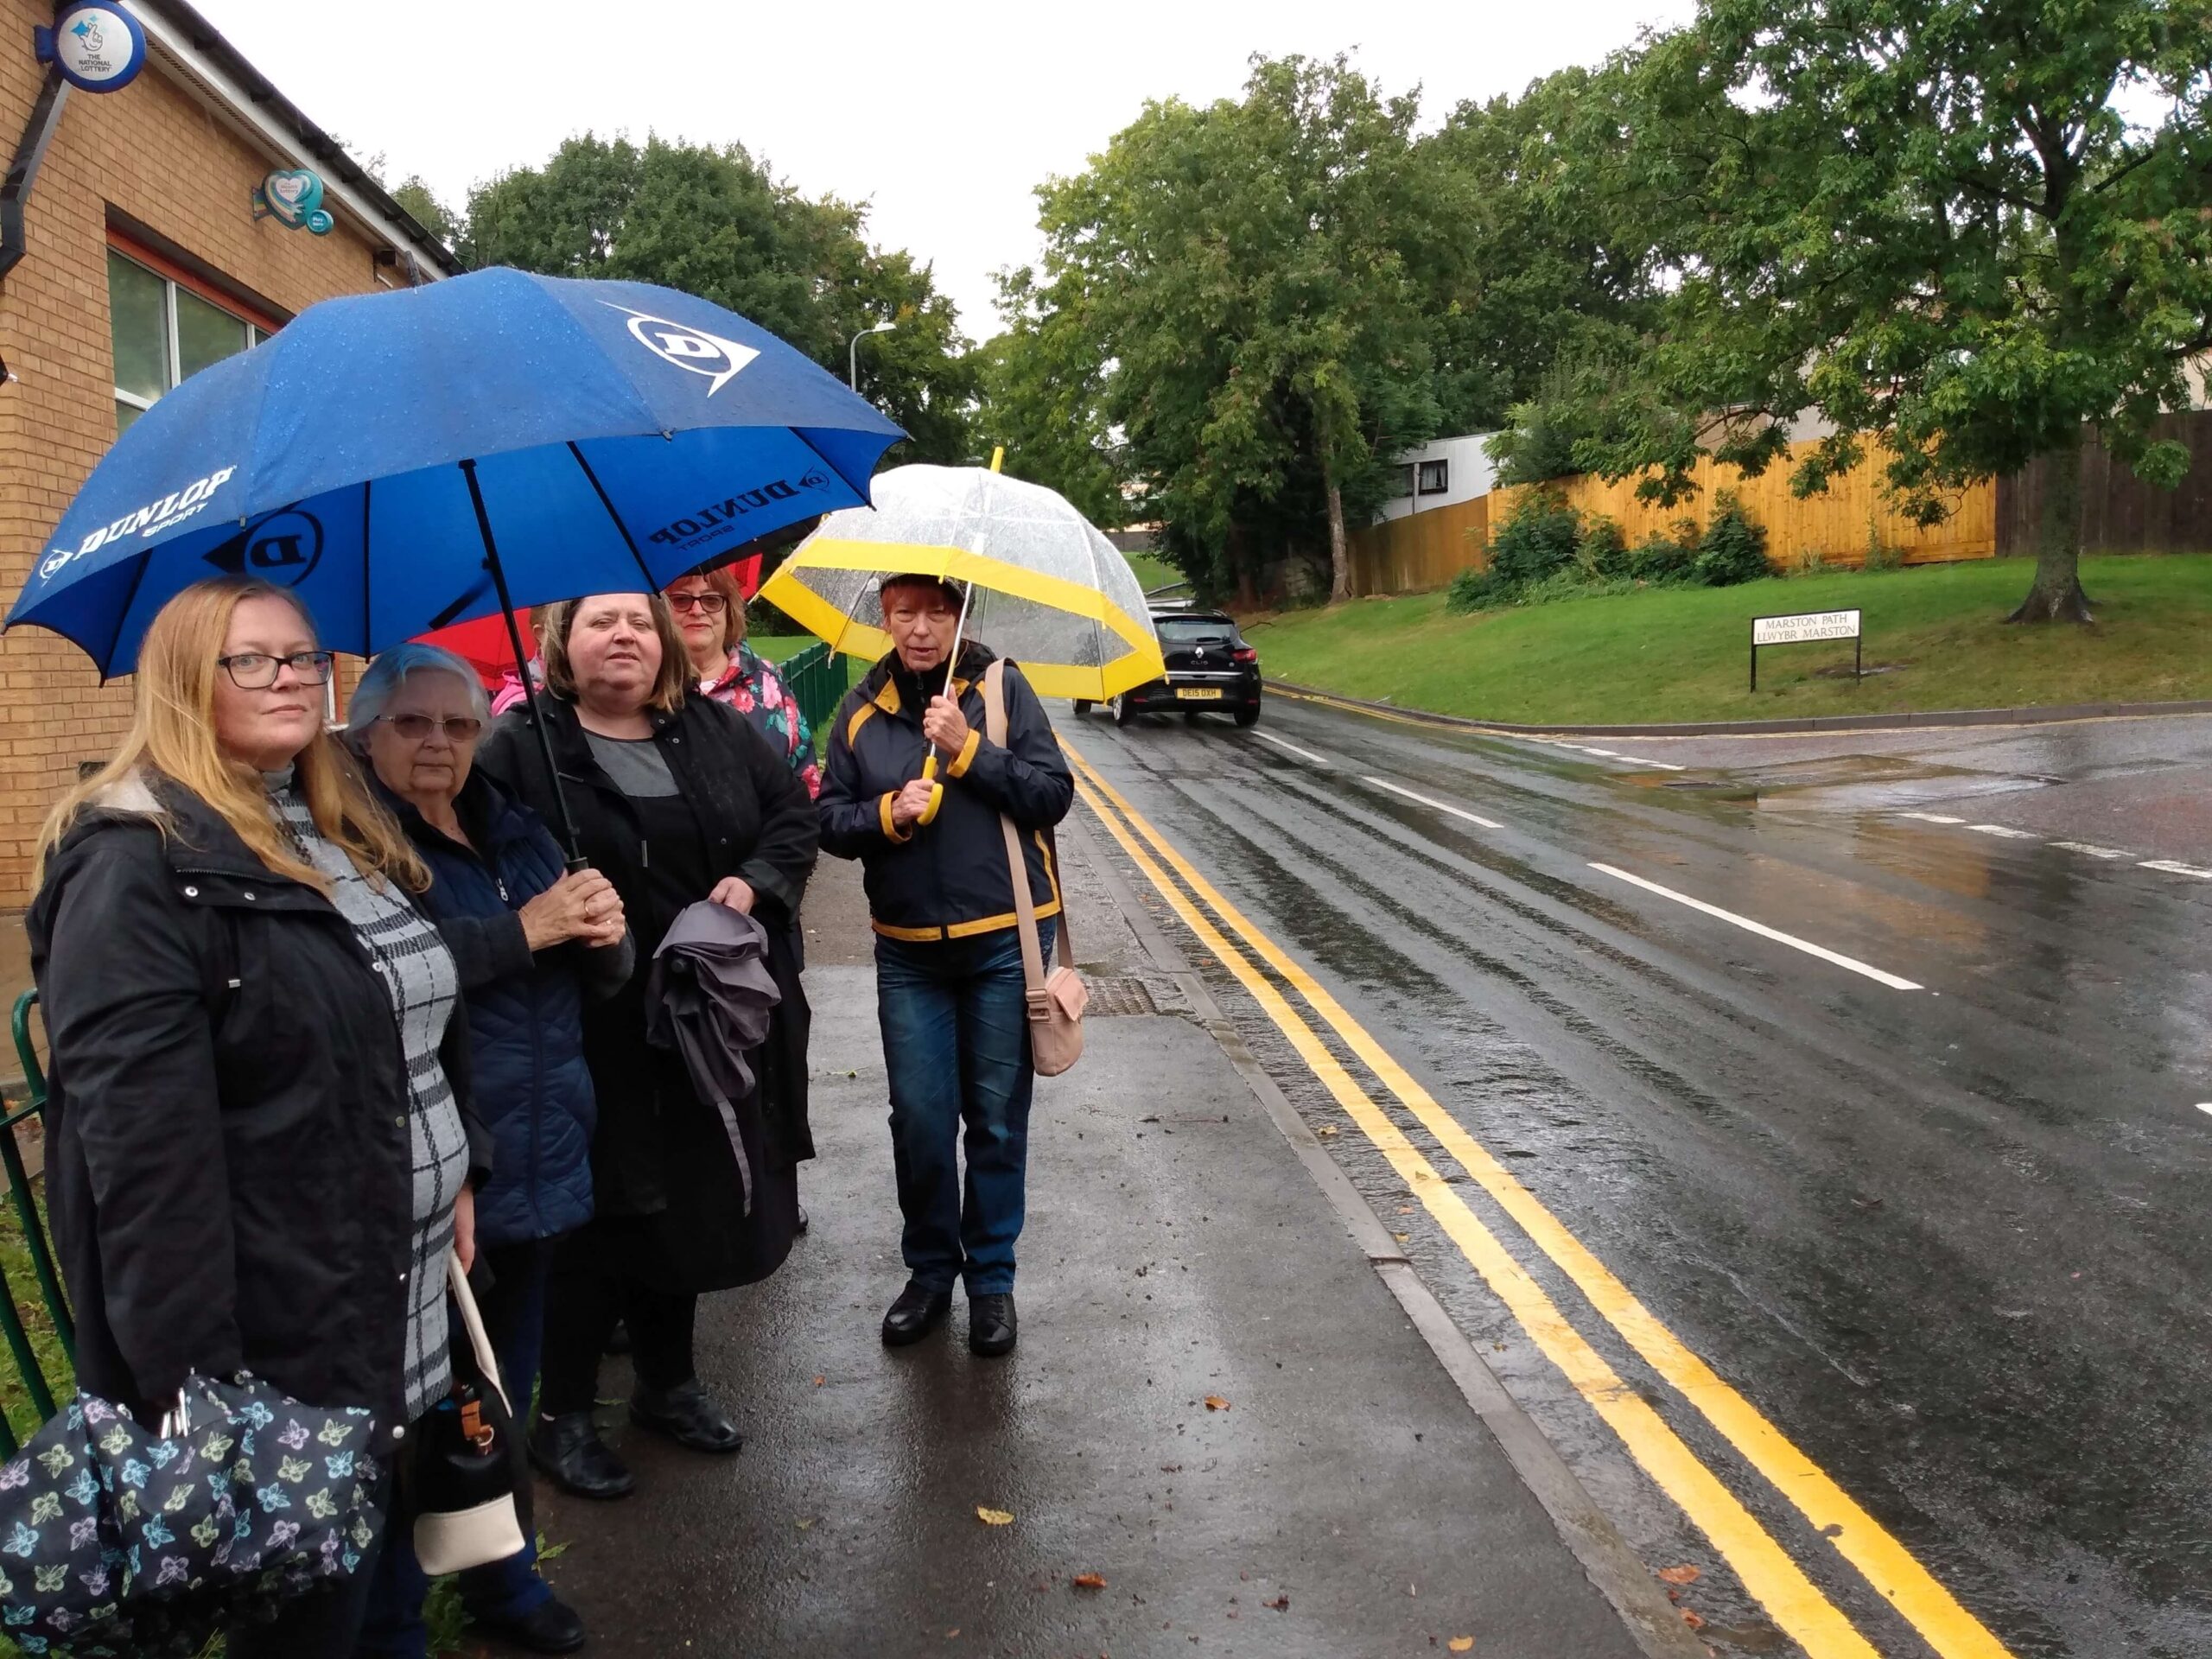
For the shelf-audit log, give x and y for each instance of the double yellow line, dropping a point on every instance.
(1765, 1567)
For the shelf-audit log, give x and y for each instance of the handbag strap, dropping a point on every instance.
(1024, 902)
(465, 1299)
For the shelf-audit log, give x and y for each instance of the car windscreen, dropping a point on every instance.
(1192, 630)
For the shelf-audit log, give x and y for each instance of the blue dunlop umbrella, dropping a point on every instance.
(406, 459)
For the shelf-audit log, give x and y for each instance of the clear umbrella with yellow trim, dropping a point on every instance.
(1045, 587)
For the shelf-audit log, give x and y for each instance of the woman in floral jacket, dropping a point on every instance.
(710, 615)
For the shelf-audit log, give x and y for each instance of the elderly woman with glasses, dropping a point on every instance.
(532, 942)
(710, 617)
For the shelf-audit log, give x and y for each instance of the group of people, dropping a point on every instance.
(326, 1008)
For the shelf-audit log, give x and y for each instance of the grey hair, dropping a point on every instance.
(390, 671)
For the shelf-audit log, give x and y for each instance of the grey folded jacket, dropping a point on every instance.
(709, 997)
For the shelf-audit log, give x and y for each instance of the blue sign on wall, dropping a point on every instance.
(98, 48)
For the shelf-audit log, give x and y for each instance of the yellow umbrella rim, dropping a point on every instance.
(848, 635)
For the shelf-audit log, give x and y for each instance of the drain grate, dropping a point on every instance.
(1123, 994)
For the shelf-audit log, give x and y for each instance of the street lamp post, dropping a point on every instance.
(853, 352)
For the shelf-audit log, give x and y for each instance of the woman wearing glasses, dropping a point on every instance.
(533, 944)
(710, 616)
(261, 1143)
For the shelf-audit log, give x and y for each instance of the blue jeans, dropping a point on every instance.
(514, 1318)
(955, 1041)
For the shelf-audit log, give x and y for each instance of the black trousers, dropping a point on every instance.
(602, 1273)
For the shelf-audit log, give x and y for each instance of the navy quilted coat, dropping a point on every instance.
(533, 1090)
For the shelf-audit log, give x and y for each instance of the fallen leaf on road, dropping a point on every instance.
(808, 1521)
(1280, 1604)
(819, 1380)
(1215, 1402)
(1679, 1574)
(1088, 1582)
(1404, 1209)
(1461, 1644)
(1692, 1620)
(1402, 1237)
(1327, 1132)
(995, 1517)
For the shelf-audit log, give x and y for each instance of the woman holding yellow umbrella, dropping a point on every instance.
(915, 789)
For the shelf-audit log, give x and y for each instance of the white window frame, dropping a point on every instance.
(173, 368)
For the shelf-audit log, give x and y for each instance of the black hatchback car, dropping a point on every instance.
(1210, 670)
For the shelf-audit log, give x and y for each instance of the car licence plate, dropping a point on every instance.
(1199, 693)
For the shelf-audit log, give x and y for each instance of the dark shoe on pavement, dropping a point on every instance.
(552, 1626)
(687, 1414)
(618, 1339)
(990, 1324)
(567, 1451)
(914, 1315)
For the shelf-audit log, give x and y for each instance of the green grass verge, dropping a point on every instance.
(1152, 571)
(1681, 654)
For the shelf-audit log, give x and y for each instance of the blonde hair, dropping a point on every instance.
(554, 621)
(719, 581)
(173, 733)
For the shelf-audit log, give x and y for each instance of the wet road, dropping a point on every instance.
(1931, 1195)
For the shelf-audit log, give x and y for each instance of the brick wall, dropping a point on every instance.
(156, 154)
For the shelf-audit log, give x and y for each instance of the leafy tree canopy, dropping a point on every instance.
(718, 224)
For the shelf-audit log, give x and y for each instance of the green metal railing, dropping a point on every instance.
(30, 1217)
(818, 679)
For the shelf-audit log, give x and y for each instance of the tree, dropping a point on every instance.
(718, 224)
(422, 204)
(1962, 231)
(1233, 316)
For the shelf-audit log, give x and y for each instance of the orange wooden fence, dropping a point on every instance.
(1425, 552)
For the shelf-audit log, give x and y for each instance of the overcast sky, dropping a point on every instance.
(942, 118)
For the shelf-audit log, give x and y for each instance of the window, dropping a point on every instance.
(164, 332)
(1403, 485)
(1435, 477)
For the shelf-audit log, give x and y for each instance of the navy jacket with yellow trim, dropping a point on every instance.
(948, 877)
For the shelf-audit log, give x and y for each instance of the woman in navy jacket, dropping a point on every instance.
(530, 943)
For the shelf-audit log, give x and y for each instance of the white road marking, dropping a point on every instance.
(2204, 1105)
(2173, 868)
(1932, 818)
(1304, 754)
(1606, 754)
(1441, 806)
(2093, 852)
(1656, 765)
(2004, 830)
(1765, 933)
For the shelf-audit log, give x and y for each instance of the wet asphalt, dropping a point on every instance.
(1954, 1242)
(1336, 1498)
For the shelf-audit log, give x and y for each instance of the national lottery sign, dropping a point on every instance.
(1806, 627)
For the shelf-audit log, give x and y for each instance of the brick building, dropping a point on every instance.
(141, 260)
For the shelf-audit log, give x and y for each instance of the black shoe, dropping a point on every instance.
(552, 1626)
(914, 1315)
(990, 1324)
(687, 1414)
(618, 1339)
(567, 1451)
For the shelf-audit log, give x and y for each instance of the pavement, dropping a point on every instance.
(1838, 1094)
(1232, 1401)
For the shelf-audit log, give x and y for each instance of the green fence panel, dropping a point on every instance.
(818, 680)
(37, 1386)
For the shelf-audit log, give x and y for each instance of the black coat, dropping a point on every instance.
(229, 1162)
(655, 1152)
(948, 877)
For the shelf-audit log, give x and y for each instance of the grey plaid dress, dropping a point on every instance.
(418, 971)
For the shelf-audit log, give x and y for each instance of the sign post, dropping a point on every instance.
(1804, 629)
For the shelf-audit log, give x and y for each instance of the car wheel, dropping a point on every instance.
(1249, 716)
(1118, 706)
(1082, 706)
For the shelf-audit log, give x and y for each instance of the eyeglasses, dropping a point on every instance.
(460, 728)
(254, 670)
(711, 604)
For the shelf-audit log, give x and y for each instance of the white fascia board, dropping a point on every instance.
(254, 124)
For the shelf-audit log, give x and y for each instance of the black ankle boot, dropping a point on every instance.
(567, 1451)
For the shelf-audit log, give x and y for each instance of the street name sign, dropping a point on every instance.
(1804, 628)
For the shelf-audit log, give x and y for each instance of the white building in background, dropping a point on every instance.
(1441, 474)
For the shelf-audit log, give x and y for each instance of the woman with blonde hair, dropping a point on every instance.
(261, 1149)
